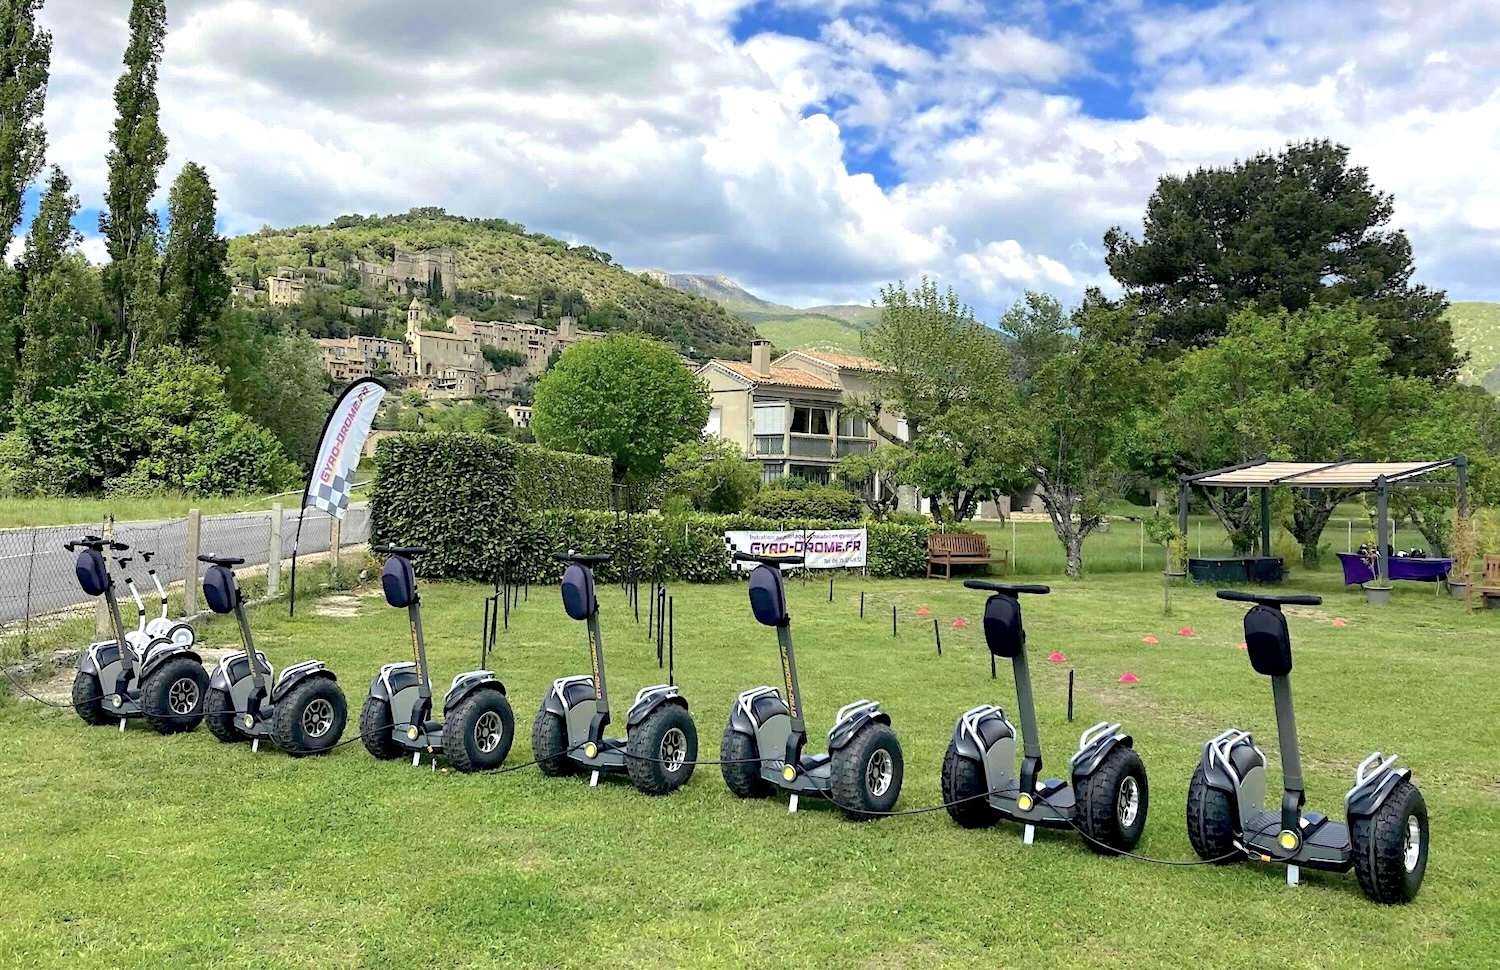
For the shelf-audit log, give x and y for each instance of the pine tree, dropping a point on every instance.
(139, 149)
(195, 281)
(25, 65)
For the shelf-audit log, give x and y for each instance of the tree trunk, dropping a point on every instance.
(1074, 544)
(1309, 517)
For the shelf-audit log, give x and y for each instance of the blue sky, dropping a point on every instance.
(811, 149)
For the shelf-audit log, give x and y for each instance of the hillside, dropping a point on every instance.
(788, 328)
(503, 272)
(1476, 330)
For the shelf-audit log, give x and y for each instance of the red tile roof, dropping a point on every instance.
(780, 376)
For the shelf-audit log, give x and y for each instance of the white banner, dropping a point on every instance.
(823, 548)
(343, 440)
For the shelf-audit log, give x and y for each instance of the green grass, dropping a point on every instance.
(1476, 331)
(139, 851)
(804, 330)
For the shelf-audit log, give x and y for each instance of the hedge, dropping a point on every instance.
(817, 502)
(451, 493)
(558, 480)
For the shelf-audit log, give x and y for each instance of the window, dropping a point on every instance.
(715, 418)
(811, 420)
(769, 474)
(770, 419)
(817, 474)
(901, 430)
(772, 444)
(852, 426)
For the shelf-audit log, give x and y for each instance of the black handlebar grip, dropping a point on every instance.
(406, 552)
(1008, 588)
(791, 560)
(580, 557)
(1271, 599)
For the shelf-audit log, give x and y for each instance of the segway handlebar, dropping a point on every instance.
(580, 557)
(96, 543)
(770, 560)
(1010, 589)
(405, 552)
(1271, 599)
(221, 560)
(146, 556)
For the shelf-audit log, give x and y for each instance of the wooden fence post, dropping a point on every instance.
(273, 559)
(190, 564)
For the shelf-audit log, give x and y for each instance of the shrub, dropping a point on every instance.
(817, 502)
(558, 480)
(714, 475)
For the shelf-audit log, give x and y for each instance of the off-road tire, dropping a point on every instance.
(156, 694)
(1099, 799)
(375, 726)
(288, 728)
(88, 700)
(219, 715)
(1379, 844)
(644, 751)
(549, 745)
(964, 791)
(462, 747)
(1210, 821)
(739, 763)
(851, 792)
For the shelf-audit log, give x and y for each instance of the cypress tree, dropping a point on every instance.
(195, 280)
(25, 65)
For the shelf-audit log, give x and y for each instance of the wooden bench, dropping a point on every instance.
(1489, 580)
(949, 549)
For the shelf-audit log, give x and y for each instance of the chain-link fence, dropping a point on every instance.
(38, 591)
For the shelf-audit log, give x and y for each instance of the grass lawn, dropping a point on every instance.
(139, 851)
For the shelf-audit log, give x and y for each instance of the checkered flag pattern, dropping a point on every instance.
(332, 497)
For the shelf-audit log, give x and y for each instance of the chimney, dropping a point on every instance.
(760, 357)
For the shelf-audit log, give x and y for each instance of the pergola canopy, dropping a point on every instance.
(1377, 476)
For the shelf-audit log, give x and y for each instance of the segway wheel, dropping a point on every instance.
(662, 751)
(1210, 821)
(549, 745)
(311, 718)
(375, 730)
(867, 773)
(219, 717)
(88, 700)
(1112, 802)
(964, 791)
(173, 695)
(478, 733)
(739, 763)
(1390, 847)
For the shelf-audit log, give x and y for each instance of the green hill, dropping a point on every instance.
(835, 328)
(1476, 330)
(503, 272)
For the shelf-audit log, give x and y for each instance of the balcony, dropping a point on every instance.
(854, 446)
(811, 446)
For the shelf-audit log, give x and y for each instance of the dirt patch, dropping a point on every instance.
(1308, 613)
(339, 605)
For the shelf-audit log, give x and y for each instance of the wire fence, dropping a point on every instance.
(41, 603)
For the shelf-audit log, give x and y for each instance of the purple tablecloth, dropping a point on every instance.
(1356, 570)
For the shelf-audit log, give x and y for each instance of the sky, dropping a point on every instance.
(812, 150)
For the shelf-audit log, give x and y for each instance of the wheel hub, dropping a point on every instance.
(1128, 802)
(182, 696)
(488, 731)
(673, 749)
(879, 771)
(317, 718)
(1411, 844)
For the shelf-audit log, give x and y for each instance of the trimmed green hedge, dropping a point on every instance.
(451, 493)
(817, 502)
(558, 480)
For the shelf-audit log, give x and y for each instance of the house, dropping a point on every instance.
(520, 415)
(285, 291)
(790, 414)
(350, 358)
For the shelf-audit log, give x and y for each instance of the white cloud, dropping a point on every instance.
(643, 127)
(94, 250)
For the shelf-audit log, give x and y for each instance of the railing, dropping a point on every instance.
(854, 446)
(811, 446)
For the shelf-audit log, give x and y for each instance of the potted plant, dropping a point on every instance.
(1377, 590)
(1466, 540)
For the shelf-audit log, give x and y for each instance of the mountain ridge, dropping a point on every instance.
(834, 327)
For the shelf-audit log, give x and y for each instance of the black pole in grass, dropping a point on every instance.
(671, 643)
(1070, 693)
(660, 602)
(651, 612)
(861, 604)
(893, 621)
(992, 666)
(830, 589)
(937, 636)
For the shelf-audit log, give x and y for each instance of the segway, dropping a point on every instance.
(478, 726)
(162, 682)
(1104, 797)
(1385, 839)
(164, 626)
(762, 748)
(660, 747)
(303, 713)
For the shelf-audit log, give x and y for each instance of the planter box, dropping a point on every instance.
(1377, 595)
(1460, 591)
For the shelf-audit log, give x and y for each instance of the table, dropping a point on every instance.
(1357, 571)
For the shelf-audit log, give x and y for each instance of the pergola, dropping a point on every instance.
(1365, 476)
